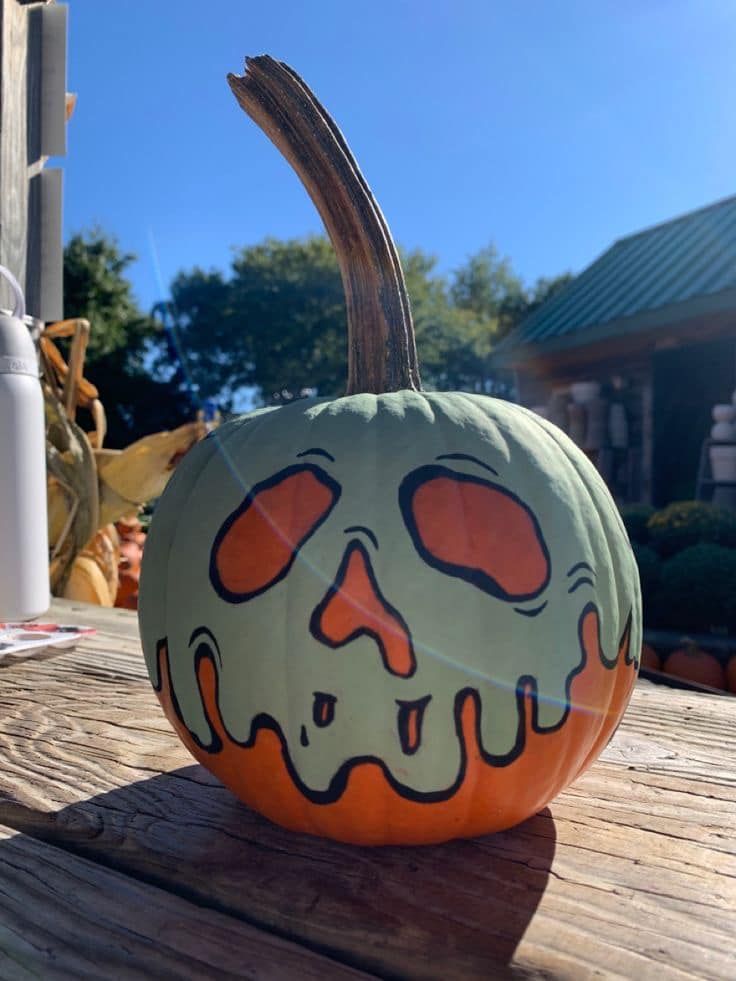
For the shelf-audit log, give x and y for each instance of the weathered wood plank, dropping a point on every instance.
(632, 871)
(65, 917)
(32, 126)
(114, 622)
(44, 279)
(13, 143)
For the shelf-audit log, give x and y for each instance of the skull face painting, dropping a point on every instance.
(395, 618)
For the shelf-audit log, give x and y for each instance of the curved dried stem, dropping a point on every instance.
(381, 346)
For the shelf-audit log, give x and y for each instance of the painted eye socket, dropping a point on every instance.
(472, 529)
(258, 543)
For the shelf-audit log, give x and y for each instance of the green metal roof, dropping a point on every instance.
(684, 266)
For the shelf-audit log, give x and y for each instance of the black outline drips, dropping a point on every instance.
(314, 621)
(322, 476)
(402, 722)
(205, 631)
(626, 640)
(476, 577)
(203, 651)
(526, 685)
(606, 661)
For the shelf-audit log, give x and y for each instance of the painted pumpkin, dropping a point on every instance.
(396, 616)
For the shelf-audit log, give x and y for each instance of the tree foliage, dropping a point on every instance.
(96, 287)
(277, 323)
(516, 307)
(453, 343)
(487, 286)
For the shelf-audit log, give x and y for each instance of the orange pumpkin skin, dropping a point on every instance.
(370, 812)
(693, 664)
(731, 673)
(131, 554)
(132, 539)
(127, 595)
(650, 659)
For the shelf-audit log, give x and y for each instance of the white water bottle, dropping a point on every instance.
(24, 558)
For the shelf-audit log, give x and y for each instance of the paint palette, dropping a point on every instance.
(24, 638)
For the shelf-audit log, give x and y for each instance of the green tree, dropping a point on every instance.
(453, 343)
(488, 286)
(278, 323)
(122, 339)
(518, 308)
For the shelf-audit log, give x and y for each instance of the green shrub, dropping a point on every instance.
(650, 574)
(697, 589)
(635, 518)
(687, 523)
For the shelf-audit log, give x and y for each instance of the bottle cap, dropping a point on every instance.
(17, 351)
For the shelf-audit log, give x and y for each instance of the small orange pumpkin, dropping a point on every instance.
(650, 659)
(693, 664)
(731, 674)
(131, 554)
(127, 597)
(132, 538)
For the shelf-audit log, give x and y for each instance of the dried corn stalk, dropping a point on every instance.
(90, 487)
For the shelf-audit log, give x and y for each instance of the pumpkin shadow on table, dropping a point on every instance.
(464, 903)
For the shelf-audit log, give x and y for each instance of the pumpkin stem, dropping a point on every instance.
(382, 353)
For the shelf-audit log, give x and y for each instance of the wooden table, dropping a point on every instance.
(121, 858)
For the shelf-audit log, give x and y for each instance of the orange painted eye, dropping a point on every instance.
(258, 543)
(470, 528)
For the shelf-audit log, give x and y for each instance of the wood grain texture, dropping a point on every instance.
(65, 917)
(45, 275)
(32, 125)
(630, 873)
(13, 148)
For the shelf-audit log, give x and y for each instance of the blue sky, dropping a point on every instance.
(550, 128)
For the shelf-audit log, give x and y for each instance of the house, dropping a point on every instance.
(651, 324)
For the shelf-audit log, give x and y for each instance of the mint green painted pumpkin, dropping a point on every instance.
(337, 700)
(391, 618)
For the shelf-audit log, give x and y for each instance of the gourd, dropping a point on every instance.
(396, 616)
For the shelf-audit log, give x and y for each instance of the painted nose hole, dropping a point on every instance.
(354, 606)
(323, 709)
